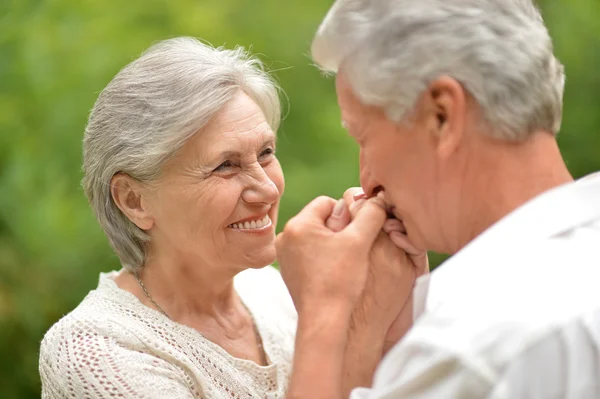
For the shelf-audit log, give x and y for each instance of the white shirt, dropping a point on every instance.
(515, 314)
(113, 346)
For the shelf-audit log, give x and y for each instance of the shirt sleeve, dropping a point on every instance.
(77, 361)
(564, 363)
(560, 363)
(419, 371)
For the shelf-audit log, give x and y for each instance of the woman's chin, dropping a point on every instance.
(259, 260)
(254, 267)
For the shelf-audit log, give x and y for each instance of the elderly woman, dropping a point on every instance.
(180, 170)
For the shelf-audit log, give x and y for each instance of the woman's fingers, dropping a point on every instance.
(402, 242)
(394, 225)
(340, 217)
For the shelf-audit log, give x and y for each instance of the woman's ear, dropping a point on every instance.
(128, 195)
(447, 102)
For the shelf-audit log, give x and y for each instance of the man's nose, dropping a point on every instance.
(368, 183)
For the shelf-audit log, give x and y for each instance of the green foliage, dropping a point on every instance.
(56, 55)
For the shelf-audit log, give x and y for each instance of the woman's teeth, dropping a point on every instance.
(255, 224)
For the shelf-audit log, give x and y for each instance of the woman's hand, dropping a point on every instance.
(352, 274)
(391, 272)
(323, 268)
(326, 272)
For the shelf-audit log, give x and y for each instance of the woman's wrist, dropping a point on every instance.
(318, 318)
(328, 309)
(321, 340)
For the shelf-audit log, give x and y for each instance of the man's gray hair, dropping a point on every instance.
(149, 110)
(499, 50)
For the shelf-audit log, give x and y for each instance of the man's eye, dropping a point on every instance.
(223, 166)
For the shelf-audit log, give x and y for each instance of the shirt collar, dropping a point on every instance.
(551, 213)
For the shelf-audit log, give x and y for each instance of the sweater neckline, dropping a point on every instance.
(107, 283)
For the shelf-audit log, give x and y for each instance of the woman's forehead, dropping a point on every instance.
(206, 146)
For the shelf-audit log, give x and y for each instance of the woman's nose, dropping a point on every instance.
(261, 189)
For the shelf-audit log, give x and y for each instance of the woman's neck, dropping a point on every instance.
(183, 289)
(201, 297)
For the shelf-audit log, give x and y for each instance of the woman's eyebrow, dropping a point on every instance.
(269, 141)
(235, 154)
(226, 154)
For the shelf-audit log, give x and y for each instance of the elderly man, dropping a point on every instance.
(455, 105)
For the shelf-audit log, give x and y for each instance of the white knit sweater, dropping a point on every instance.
(113, 346)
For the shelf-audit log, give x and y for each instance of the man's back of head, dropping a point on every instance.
(473, 95)
(390, 50)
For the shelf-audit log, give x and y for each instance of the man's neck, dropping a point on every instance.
(507, 176)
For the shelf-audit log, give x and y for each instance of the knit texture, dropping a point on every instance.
(113, 346)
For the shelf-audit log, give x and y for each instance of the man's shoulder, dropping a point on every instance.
(499, 356)
(558, 272)
(546, 282)
(518, 300)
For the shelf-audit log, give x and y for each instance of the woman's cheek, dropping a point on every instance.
(276, 176)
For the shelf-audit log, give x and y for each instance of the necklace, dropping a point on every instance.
(139, 280)
(259, 343)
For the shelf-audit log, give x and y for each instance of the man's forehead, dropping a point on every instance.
(346, 98)
(342, 85)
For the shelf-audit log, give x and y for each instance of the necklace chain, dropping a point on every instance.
(259, 339)
(139, 280)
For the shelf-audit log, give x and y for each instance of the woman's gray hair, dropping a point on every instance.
(500, 51)
(149, 110)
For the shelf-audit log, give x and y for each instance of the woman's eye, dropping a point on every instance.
(223, 166)
(267, 151)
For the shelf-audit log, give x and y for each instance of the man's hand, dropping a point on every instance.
(419, 260)
(392, 292)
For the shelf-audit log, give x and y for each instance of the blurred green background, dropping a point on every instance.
(55, 57)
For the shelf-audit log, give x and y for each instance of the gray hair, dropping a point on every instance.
(149, 110)
(499, 50)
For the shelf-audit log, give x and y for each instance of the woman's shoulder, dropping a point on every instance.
(102, 347)
(267, 275)
(100, 314)
(77, 332)
(265, 288)
(266, 281)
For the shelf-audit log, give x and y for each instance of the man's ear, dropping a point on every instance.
(446, 105)
(128, 195)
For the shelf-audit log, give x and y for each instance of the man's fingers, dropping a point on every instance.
(369, 221)
(340, 217)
